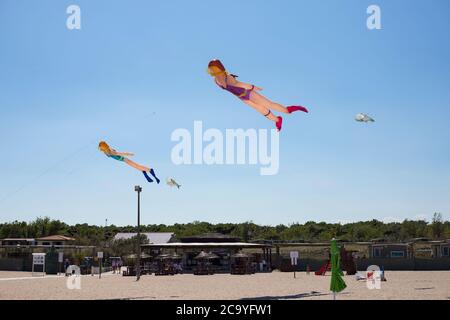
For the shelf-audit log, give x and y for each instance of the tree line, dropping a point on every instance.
(86, 234)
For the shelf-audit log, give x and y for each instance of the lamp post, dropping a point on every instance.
(138, 189)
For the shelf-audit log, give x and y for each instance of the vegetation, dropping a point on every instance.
(123, 247)
(311, 231)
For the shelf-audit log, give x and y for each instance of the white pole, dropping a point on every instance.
(334, 295)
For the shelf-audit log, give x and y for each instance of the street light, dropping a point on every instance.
(138, 189)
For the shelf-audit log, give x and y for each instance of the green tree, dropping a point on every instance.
(437, 226)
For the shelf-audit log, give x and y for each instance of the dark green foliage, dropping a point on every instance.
(127, 246)
(309, 231)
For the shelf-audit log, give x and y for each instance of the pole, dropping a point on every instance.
(92, 262)
(138, 189)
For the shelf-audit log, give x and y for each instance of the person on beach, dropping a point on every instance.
(249, 94)
(66, 266)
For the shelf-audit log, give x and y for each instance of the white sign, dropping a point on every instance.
(294, 257)
(39, 258)
(100, 255)
(60, 257)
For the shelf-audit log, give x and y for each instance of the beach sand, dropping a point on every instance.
(420, 285)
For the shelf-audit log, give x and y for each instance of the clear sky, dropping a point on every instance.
(136, 71)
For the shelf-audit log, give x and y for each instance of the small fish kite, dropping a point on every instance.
(172, 183)
(248, 94)
(362, 117)
(121, 156)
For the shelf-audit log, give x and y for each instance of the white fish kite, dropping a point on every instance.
(362, 117)
(173, 183)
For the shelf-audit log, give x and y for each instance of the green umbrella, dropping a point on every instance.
(337, 283)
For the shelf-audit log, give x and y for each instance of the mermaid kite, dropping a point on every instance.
(121, 156)
(248, 94)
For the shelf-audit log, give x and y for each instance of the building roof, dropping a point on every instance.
(389, 244)
(56, 238)
(440, 242)
(421, 239)
(18, 239)
(378, 240)
(210, 237)
(153, 237)
(206, 245)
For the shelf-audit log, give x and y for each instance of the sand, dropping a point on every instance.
(416, 285)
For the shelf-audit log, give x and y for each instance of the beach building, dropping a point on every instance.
(390, 250)
(440, 249)
(222, 247)
(18, 242)
(56, 240)
(153, 237)
(16, 253)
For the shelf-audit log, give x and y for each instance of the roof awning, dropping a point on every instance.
(207, 245)
(56, 238)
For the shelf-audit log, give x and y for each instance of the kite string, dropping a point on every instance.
(49, 169)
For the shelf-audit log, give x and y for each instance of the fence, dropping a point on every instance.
(439, 264)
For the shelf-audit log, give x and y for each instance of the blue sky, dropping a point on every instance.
(136, 71)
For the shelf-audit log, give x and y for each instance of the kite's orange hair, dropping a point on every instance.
(104, 147)
(216, 68)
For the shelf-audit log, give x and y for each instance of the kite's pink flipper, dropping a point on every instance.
(279, 123)
(297, 108)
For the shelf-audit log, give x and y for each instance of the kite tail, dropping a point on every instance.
(152, 172)
(147, 177)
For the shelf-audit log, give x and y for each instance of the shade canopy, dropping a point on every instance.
(134, 256)
(176, 256)
(164, 257)
(240, 255)
(205, 255)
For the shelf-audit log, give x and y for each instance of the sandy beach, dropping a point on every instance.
(416, 285)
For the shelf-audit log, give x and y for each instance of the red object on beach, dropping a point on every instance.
(323, 269)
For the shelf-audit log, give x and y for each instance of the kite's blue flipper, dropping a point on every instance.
(154, 176)
(147, 177)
